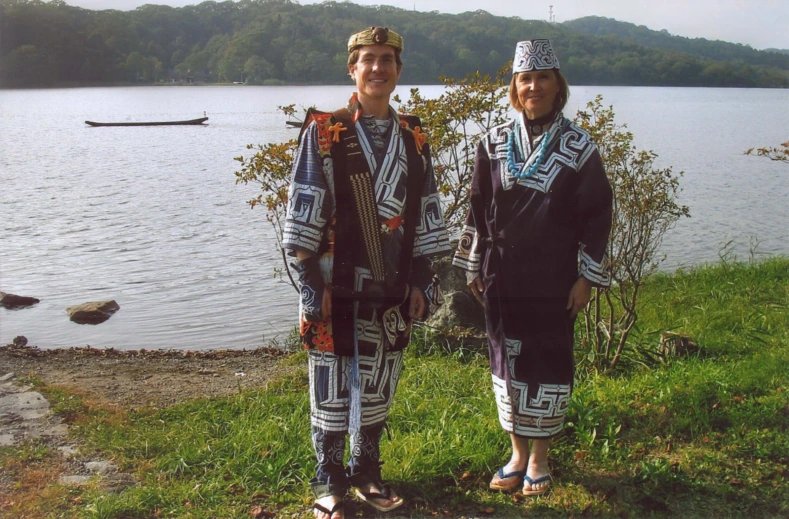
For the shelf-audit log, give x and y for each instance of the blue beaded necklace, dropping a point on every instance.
(555, 122)
(531, 170)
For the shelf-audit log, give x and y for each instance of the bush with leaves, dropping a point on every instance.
(270, 167)
(779, 154)
(455, 121)
(645, 208)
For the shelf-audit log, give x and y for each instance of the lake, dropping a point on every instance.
(151, 216)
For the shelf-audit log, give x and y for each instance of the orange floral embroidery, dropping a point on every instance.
(336, 129)
(322, 339)
(419, 137)
(390, 225)
(324, 132)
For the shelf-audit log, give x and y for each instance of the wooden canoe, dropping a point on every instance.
(160, 123)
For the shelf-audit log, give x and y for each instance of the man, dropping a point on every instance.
(363, 220)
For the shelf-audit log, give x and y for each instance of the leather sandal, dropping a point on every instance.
(329, 488)
(385, 493)
(372, 476)
(340, 506)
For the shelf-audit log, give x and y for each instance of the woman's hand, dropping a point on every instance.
(416, 304)
(477, 288)
(579, 296)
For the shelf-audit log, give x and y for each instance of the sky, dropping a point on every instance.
(758, 23)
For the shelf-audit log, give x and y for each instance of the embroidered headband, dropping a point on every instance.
(534, 55)
(375, 36)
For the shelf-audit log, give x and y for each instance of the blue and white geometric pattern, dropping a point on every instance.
(534, 55)
(329, 380)
(467, 257)
(572, 150)
(598, 273)
(538, 417)
(513, 351)
(311, 196)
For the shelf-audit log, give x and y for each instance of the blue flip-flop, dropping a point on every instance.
(532, 482)
(519, 474)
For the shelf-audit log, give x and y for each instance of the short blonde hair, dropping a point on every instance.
(561, 97)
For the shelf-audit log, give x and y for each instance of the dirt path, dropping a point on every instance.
(143, 378)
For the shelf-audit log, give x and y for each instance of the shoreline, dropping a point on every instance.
(144, 378)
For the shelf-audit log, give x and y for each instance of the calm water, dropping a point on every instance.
(151, 216)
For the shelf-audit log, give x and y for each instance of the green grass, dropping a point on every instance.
(700, 436)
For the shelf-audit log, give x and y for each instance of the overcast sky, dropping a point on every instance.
(759, 23)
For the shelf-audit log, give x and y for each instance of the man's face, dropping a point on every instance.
(375, 72)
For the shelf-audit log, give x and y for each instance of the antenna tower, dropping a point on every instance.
(551, 17)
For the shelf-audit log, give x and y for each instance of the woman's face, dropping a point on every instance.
(537, 91)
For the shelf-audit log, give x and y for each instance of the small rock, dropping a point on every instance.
(100, 467)
(74, 480)
(116, 483)
(57, 430)
(67, 450)
(20, 341)
(7, 377)
(13, 301)
(28, 406)
(94, 312)
(674, 344)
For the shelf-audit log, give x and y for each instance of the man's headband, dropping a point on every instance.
(375, 36)
(534, 55)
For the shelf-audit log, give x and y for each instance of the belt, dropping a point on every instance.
(374, 295)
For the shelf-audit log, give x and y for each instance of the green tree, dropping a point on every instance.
(258, 69)
(27, 66)
(143, 69)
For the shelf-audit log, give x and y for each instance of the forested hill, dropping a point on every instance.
(698, 47)
(278, 41)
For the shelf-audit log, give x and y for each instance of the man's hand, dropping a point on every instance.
(417, 305)
(579, 296)
(477, 288)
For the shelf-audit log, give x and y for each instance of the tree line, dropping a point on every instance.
(282, 42)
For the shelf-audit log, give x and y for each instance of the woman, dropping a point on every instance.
(533, 246)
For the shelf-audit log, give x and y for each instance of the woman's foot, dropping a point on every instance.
(507, 479)
(510, 476)
(382, 499)
(538, 474)
(329, 507)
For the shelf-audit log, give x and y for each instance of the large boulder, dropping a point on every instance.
(460, 308)
(94, 312)
(13, 301)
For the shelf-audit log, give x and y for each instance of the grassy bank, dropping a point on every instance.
(700, 435)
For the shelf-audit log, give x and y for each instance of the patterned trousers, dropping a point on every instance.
(379, 373)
